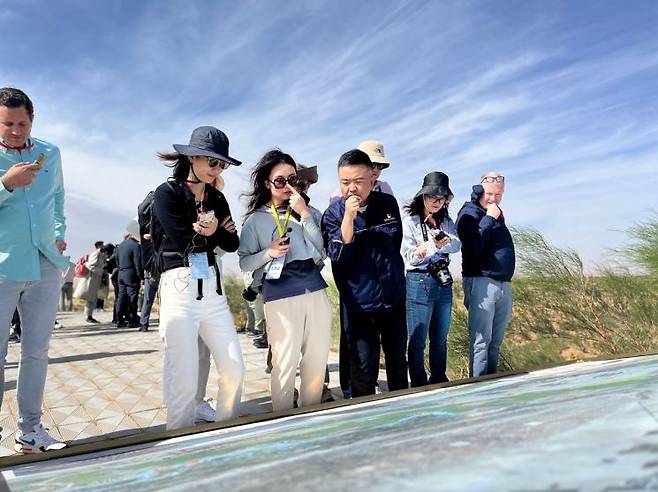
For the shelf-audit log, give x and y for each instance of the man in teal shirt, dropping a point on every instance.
(32, 229)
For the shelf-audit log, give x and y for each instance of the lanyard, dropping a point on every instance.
(423, 229)
(275, 214)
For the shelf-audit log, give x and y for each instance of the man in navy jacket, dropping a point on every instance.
(131, 272)
(487, 269)
(363, 234)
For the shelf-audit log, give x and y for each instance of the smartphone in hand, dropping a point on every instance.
(439, 235)
(207, 217)
(40, 160)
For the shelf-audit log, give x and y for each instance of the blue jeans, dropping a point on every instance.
(150, 291)
(37, 306)
(429, 308)
(489, 304)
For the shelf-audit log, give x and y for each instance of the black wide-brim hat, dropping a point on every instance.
(208, 141)
(436, 183)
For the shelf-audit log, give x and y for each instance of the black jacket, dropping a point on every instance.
(487, 246)
(129, 260)
(174, 211)
(369, 271)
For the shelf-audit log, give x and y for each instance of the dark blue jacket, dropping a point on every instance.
(129, 261)
(487, 247)
(369, 271)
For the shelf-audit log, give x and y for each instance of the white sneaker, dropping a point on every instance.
(204, 413)
(37, 441)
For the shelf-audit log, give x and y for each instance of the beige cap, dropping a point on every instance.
(132, 228)
(375, 150)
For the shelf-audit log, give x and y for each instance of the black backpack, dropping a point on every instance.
(151, 248)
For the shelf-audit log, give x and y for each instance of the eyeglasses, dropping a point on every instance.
(214, 162)
(281, 182)
(493, 179)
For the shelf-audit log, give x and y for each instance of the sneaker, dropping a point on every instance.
(204, 413)
(37, 441)
(91, 320)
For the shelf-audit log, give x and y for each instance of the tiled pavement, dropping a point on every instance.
(105, 382)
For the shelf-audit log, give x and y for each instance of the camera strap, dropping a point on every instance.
(423, 230)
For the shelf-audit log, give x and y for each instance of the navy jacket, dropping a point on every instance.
(129, 261)
(487, 247)
(369, 271)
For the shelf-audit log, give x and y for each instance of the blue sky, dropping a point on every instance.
(561, 97)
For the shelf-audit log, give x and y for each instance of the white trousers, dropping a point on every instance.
(183, 319)
(298, 326)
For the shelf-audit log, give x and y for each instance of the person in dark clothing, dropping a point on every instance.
(363, 234)
(15, 335)
(151, 282)
(113, 272)
(131, 272)
(191, 218)
(487, 268)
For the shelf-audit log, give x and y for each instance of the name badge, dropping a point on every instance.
(199, 265)
(276, 267)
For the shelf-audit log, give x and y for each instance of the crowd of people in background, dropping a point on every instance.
(390, 266)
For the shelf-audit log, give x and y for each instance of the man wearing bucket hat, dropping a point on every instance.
(191, 218)
(487, 268)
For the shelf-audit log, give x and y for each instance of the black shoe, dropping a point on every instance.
(91, 320)
(261, 343)
(327, 395)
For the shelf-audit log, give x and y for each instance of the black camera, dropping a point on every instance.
(249, 294)
(440, 272)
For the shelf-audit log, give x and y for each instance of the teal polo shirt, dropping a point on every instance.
(32, 217)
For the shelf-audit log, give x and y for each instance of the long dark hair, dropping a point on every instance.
(180, 164)
(261, 194)
(417, 207)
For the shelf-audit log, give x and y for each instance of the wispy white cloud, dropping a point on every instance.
(455, 86)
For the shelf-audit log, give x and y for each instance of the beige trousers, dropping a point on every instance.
(298, 326)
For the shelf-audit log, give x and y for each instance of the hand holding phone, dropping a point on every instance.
(207, 217)
(40, 160)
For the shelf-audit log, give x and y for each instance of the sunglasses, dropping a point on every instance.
(493, 179)
(214, 162)
(281, 182)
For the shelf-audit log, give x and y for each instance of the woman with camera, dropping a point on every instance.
(282, 244)
(191, 218)
(429, 236)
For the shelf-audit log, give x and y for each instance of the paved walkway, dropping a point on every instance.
(105, 382)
